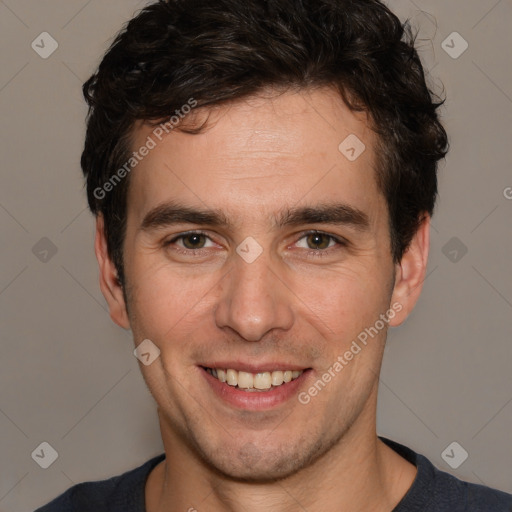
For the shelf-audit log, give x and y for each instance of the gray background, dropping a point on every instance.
(67, 373)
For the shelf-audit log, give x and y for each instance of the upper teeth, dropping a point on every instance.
(245, 380)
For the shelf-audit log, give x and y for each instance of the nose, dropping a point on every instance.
(254, 300)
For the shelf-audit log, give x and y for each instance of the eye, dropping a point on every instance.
(191, 241)
(319, 244)
(318, 240)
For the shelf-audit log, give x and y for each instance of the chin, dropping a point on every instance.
(257, 473)
(250, 463)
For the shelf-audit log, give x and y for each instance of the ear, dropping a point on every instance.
(410, 273)
(110, 286)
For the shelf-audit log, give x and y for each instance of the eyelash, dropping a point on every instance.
(315, 253)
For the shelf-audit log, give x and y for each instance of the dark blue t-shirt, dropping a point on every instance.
(432, 491)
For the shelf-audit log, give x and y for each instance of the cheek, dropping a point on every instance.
(163, 301)
(345, 300)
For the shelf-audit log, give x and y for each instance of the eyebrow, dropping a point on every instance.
(167, 214)
(335, 214)
(170, 213)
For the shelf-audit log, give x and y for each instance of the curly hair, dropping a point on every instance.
(218, 51)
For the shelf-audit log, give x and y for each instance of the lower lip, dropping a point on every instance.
(255, 400)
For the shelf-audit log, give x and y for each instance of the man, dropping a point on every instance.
(263, 175)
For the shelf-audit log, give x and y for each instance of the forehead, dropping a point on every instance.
(258, 155)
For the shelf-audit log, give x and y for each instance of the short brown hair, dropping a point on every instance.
(217, 51)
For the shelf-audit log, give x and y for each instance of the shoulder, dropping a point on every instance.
(122, 493)
(455, 494)
(434, 490)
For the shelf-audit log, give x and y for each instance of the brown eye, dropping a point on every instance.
(193, 240)
(318, 241)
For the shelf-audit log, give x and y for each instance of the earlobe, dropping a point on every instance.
(109, 284)
(410, 273)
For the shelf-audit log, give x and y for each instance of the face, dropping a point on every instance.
(258, 246)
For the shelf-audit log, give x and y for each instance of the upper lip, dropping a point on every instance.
(253, 367)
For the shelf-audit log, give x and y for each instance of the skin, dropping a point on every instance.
(258, 156)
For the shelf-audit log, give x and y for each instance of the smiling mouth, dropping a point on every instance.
(254, 382)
